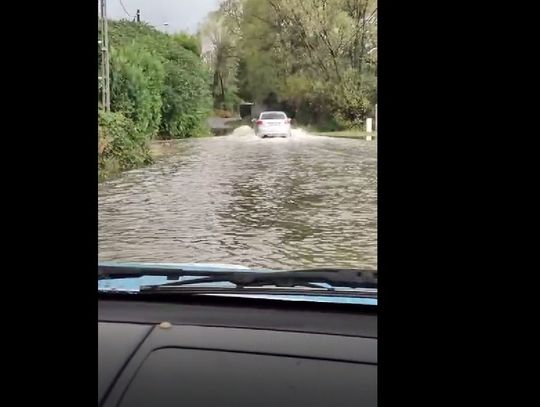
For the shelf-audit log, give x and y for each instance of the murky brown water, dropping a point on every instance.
(308, 201)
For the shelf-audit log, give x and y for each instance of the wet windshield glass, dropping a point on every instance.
(186, 172)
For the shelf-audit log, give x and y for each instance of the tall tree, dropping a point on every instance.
(316, 56)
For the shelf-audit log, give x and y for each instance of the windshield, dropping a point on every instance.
(189, 179)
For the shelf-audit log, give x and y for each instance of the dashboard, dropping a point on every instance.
(210, 352)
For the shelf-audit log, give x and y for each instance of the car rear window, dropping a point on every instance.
(273, 116)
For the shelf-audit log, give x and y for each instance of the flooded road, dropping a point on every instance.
(307, 201)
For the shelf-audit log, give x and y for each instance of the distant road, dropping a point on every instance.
(219, 123)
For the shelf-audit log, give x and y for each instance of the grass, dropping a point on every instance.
(357, 134)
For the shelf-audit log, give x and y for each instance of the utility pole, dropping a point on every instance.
(104, 44)
(138, 15)
(376, 123)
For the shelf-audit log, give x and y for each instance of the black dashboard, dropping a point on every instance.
(211, 352)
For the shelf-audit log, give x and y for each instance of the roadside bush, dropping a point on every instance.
(159, 88)
(159, 81)
(186, 96)
(188, 42)
(120, 145)
(137, 80)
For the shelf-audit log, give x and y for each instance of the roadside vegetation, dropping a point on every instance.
(160, 89)
(315, 59)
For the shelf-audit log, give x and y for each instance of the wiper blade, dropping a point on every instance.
(134, 271)
(296, 278)
(333, 277)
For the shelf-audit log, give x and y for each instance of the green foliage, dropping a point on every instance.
(188, 42)
(314, 56)
(186, 95)
(158, 80)
(222, 59)
(159, 87)
(354, 102)
(120, 145)
(137, 79)
(231, 101)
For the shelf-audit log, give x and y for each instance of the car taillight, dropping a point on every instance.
(259, 122)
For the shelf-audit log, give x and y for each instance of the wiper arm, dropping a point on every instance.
(349, 278)
(295, 278)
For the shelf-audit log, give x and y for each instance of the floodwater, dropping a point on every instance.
(307, 201)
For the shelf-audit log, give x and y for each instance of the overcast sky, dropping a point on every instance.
(182, 15)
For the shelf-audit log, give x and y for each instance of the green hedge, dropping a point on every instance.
(159, 88)
(120, 145)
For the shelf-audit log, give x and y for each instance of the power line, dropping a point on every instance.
(123, 7)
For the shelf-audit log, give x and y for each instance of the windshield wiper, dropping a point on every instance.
(283, 279)
(334, 278)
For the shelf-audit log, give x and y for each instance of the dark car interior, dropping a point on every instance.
(180, 350)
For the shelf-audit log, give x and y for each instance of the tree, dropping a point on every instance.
(311, 54)
(221, 57)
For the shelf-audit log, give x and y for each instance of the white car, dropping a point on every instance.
(272, 124)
